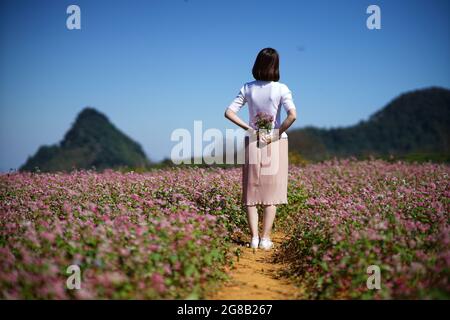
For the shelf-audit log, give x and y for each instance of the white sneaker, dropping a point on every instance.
(254, 243)
(265, 244)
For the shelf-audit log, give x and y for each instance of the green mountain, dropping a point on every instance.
(414, 124)
(92, 142)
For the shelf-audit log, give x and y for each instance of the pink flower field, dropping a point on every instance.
(166, 234)
(348, 215)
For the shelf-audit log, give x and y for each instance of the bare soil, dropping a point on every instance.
(255, 277)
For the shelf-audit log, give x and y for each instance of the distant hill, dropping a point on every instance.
(416, 122)
(92, 141)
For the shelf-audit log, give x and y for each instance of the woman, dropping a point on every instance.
(261, 186)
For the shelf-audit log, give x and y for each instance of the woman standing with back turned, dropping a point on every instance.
(265, 171)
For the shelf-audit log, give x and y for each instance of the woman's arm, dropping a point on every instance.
(233, 117)
(292, 116)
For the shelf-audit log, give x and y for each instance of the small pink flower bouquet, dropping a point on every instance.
(263, 121)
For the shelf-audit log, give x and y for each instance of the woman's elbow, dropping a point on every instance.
(293, 116)
(228, 113)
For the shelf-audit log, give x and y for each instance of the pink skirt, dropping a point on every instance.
(265, 173)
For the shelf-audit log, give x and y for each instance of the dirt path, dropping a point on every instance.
(255, 277)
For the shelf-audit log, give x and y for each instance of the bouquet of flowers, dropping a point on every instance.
(263, 121)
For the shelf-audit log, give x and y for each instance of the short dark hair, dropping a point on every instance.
(267, 65)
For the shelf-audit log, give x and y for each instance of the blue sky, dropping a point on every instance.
(154, 66)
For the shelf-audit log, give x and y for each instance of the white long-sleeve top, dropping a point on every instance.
(264, 96)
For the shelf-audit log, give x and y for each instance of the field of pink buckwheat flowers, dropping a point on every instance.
(166, 233)
(357, 214)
